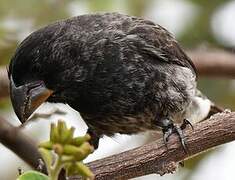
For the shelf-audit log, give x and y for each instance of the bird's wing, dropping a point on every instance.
(157, 42)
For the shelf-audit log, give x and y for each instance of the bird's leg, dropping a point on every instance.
(94, 141)
(168, 128)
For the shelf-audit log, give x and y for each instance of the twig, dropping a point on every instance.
(44, 115)
(3, 82)
(155, 158)
(215, 63)
(19, 143)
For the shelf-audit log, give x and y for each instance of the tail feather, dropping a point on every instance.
(213, 110)
(201, 108)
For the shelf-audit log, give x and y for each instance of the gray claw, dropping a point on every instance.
(180, 133)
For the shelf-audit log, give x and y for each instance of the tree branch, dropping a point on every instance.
(4, 92)
(23, 146)
(214, 63)
(155, 158)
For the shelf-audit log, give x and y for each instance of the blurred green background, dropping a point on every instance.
(195, 23)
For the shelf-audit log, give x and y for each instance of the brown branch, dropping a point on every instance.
(214, 63)
(3, 82)
(155, 158)
(23, 146)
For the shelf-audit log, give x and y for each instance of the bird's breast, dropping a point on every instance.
(126, 124)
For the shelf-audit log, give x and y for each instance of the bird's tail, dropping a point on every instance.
(214, 109)
(201, 108)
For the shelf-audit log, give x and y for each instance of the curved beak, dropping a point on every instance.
(27, 98)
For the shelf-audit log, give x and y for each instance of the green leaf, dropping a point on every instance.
(54, 134)
(78, 168)
(46, 145)
(83, 170)
(71, 169)
(67, 135)
(33, 175)
(78, 141)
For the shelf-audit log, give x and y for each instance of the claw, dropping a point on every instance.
(167, 133)
(168, 128)
(180, 133)
(185, 123)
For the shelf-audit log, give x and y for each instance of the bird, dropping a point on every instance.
(123, 74)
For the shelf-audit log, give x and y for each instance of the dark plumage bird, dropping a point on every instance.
(123, 74)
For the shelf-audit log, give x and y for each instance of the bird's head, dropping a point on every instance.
(38, 72)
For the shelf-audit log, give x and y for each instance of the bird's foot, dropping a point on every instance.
(169, 128)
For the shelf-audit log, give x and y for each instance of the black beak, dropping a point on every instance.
(27, 98)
